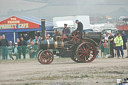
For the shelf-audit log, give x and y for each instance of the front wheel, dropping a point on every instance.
(45, 57)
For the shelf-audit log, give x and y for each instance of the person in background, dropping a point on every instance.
(18, 41)
(127, 49)
(106, 48)
(25, 36)
(14, 52)
(106, 36)
(36, 34)
(23, 47)
(10, 43)
(111, 40)
(19, 48)
(124, 37)
(4, 44)
(20, 35)
(0, 47)
(36, 39)
(31, 50)
(36, 43)
(48, 36)
(35, 48)
(10, 49)
(29, 41)
(115, 49)
(102, 47)
(0, 40)
(119, 43)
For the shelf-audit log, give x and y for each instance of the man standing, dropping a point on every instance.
(119, 43)
(124, 37)
(19, 48)
(111, 39)
(4, 44)
(23, 46)
(66, 30)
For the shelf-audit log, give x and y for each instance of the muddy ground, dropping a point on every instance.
(63, 71)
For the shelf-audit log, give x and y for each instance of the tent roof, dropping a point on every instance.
(36, 20)
(31, 19)
(48, 25)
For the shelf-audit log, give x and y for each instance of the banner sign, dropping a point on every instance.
(17, 23)
(122, 27)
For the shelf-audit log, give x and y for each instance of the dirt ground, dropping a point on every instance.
(63, 71)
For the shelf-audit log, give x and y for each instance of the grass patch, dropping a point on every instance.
(84, 76)
(76, 76)
(54, 77)
(18, 61)
(45, 78)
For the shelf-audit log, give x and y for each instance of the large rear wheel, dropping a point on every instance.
(86, 52)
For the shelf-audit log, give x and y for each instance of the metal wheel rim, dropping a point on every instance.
(43, 59)
(86, 52)
(38, 55)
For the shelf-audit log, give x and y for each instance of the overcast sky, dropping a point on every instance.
(51, 8)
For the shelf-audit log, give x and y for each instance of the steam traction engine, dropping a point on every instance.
(80, 50)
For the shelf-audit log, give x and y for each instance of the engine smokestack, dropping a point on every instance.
(43, 28)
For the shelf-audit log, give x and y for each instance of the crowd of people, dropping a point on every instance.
(114, 45)
(19, 48)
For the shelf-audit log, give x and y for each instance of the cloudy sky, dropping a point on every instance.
(51, 8)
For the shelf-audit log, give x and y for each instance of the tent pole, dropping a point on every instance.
(14, 37)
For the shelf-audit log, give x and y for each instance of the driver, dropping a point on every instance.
(79, 27)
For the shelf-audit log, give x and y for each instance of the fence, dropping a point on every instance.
(18, 52)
